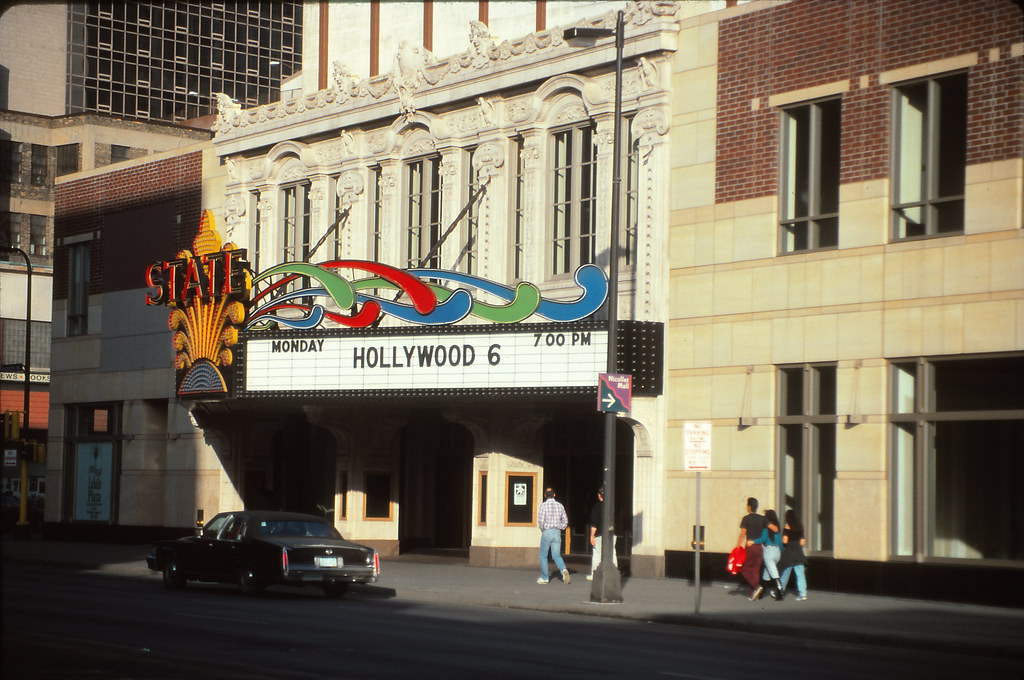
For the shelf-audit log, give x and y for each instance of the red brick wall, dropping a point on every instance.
(813, 42)
(91, 204)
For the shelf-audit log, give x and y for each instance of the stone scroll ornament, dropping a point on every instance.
(207, 290)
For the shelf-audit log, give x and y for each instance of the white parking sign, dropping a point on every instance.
(697, 446)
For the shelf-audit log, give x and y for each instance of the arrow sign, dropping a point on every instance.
(615, 392)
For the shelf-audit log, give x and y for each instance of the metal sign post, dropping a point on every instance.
(697, 458)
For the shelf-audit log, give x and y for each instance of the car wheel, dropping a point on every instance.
(248, 581)
(335, 588)
(173, 578)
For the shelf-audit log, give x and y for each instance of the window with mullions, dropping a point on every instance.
(376, 229)
(257, 228)
(631, 218)
(929, 156)
(423, 212)
(957, 433)
(519, 213)
(67, 159)
(807, 445)
(574, 199)
(37, 241)
(40, 165)
(466, 260)
(78, 289)
(810, 143)
(296, 216)
(12, 161)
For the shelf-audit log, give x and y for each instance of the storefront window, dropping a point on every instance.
(956, 457)
(93, 470)
(378, 495)
(807, 440)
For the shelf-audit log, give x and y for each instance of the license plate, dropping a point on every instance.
(327, 562)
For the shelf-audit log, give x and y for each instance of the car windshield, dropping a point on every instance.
(297, 528)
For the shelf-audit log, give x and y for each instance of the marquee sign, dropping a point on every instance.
(528, 357)
(301, 295)
(207, 289)
(304, 329)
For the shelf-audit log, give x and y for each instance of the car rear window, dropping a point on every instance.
(297, 528)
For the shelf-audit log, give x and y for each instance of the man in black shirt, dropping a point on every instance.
(751, 527)
(595, 535)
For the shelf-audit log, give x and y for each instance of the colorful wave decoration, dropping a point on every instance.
(425, 296)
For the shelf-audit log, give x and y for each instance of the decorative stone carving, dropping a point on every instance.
(530, 155)
(292, 172)
(518, 111)
(413, 68)
(420, 146)
(481, 42)
(388, 181)
(378, 142)
(340, 149)
(487, 161)
(416, 68)
(640, 12)
(487, 110)
(648, 73)
(448, 170)
(571, 113)
(234, 212)
(648, 125)
(229, 113)
(344, 81)
(316, 195)
(266, 207)
(350, 187)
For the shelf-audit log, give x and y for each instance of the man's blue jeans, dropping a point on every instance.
(551, 542)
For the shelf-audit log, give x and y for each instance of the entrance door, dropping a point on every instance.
(304, 469)
(574, 466)
(435, 491)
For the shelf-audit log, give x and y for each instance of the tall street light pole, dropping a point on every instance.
(22, 524)
(607, 584)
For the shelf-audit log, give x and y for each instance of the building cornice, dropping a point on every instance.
(420, 82)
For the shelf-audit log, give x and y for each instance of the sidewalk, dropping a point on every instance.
(974, 629)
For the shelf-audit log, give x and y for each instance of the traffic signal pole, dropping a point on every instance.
(21, 529)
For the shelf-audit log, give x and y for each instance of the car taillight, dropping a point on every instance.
(376, 563)
(284, 561)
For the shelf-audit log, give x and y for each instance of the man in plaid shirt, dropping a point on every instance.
(552, 521)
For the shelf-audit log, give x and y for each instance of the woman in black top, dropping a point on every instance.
(793, 559)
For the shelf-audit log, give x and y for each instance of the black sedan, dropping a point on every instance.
(259, 549)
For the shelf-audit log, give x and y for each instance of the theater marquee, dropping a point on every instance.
(301, 329)
(530, 357)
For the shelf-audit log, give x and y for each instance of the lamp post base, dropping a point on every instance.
(607, 585)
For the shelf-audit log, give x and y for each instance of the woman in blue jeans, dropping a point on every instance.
(771, 539)
(793, 558)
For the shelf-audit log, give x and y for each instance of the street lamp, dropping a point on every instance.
(21, 528)
(607, 584)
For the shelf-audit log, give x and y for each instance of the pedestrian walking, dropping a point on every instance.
(596, 529)
(552, 521)
(771, 543)
(751, 527)
(793, 559)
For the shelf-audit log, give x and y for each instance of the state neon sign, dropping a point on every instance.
(207, 290)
